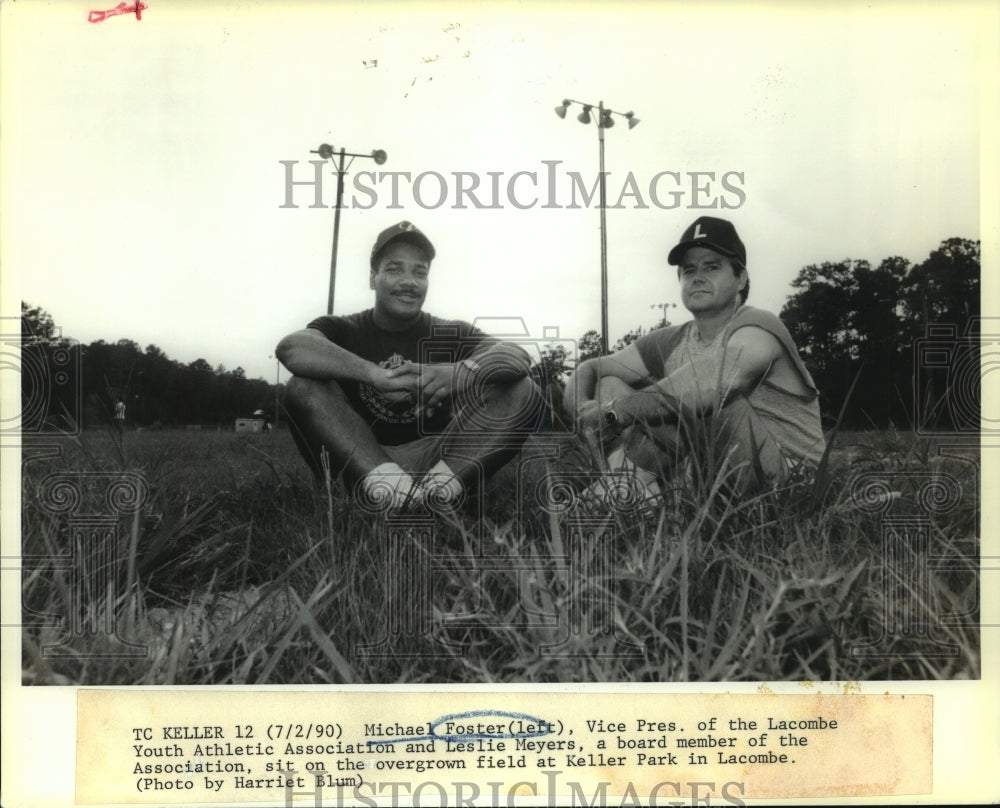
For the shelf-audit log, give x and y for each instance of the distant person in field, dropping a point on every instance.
(120, 412)
(726, 390)
(408, 405)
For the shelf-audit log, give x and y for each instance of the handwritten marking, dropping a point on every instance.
(121, 8)
(475, 736)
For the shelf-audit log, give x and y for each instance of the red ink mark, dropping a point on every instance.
(121, 8)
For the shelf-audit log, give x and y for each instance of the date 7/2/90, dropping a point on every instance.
(274, 732)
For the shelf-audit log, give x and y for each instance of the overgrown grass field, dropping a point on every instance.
(235, 568)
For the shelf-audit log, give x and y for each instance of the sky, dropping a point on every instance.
(144, 188)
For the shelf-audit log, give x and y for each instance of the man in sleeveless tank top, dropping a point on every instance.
(408, 407)
(726, 391)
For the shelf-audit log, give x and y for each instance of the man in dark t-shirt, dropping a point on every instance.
(407, 405)
(394, 422)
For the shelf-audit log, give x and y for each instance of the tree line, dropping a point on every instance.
(895, 344)
(64, 383)
(904, 336)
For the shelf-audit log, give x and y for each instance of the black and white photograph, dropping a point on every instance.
(377, 345)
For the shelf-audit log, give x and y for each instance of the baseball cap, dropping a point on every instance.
(716, 234)
(403, 231)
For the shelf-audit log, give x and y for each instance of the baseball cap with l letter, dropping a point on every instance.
(715, 234)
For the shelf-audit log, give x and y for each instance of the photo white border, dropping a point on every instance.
(39, 722)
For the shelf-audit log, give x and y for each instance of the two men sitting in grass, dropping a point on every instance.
(409, 407)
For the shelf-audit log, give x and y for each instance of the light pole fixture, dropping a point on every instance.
(663, 312)
(604, 121)
(327, 152)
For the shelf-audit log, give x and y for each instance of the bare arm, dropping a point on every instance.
(581, 388)
(309, 354)
(698, 387)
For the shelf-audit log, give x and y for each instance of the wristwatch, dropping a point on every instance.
(611, 417)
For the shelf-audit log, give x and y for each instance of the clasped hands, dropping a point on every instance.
(427, 385)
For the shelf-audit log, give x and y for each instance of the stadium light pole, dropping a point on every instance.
(604, 121)
(277, 378)
(663, 312)
(327, 152)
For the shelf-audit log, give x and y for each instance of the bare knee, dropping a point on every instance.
(305, 395)
(611, 387)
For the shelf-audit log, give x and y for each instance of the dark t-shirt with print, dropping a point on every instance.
(429, 340)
